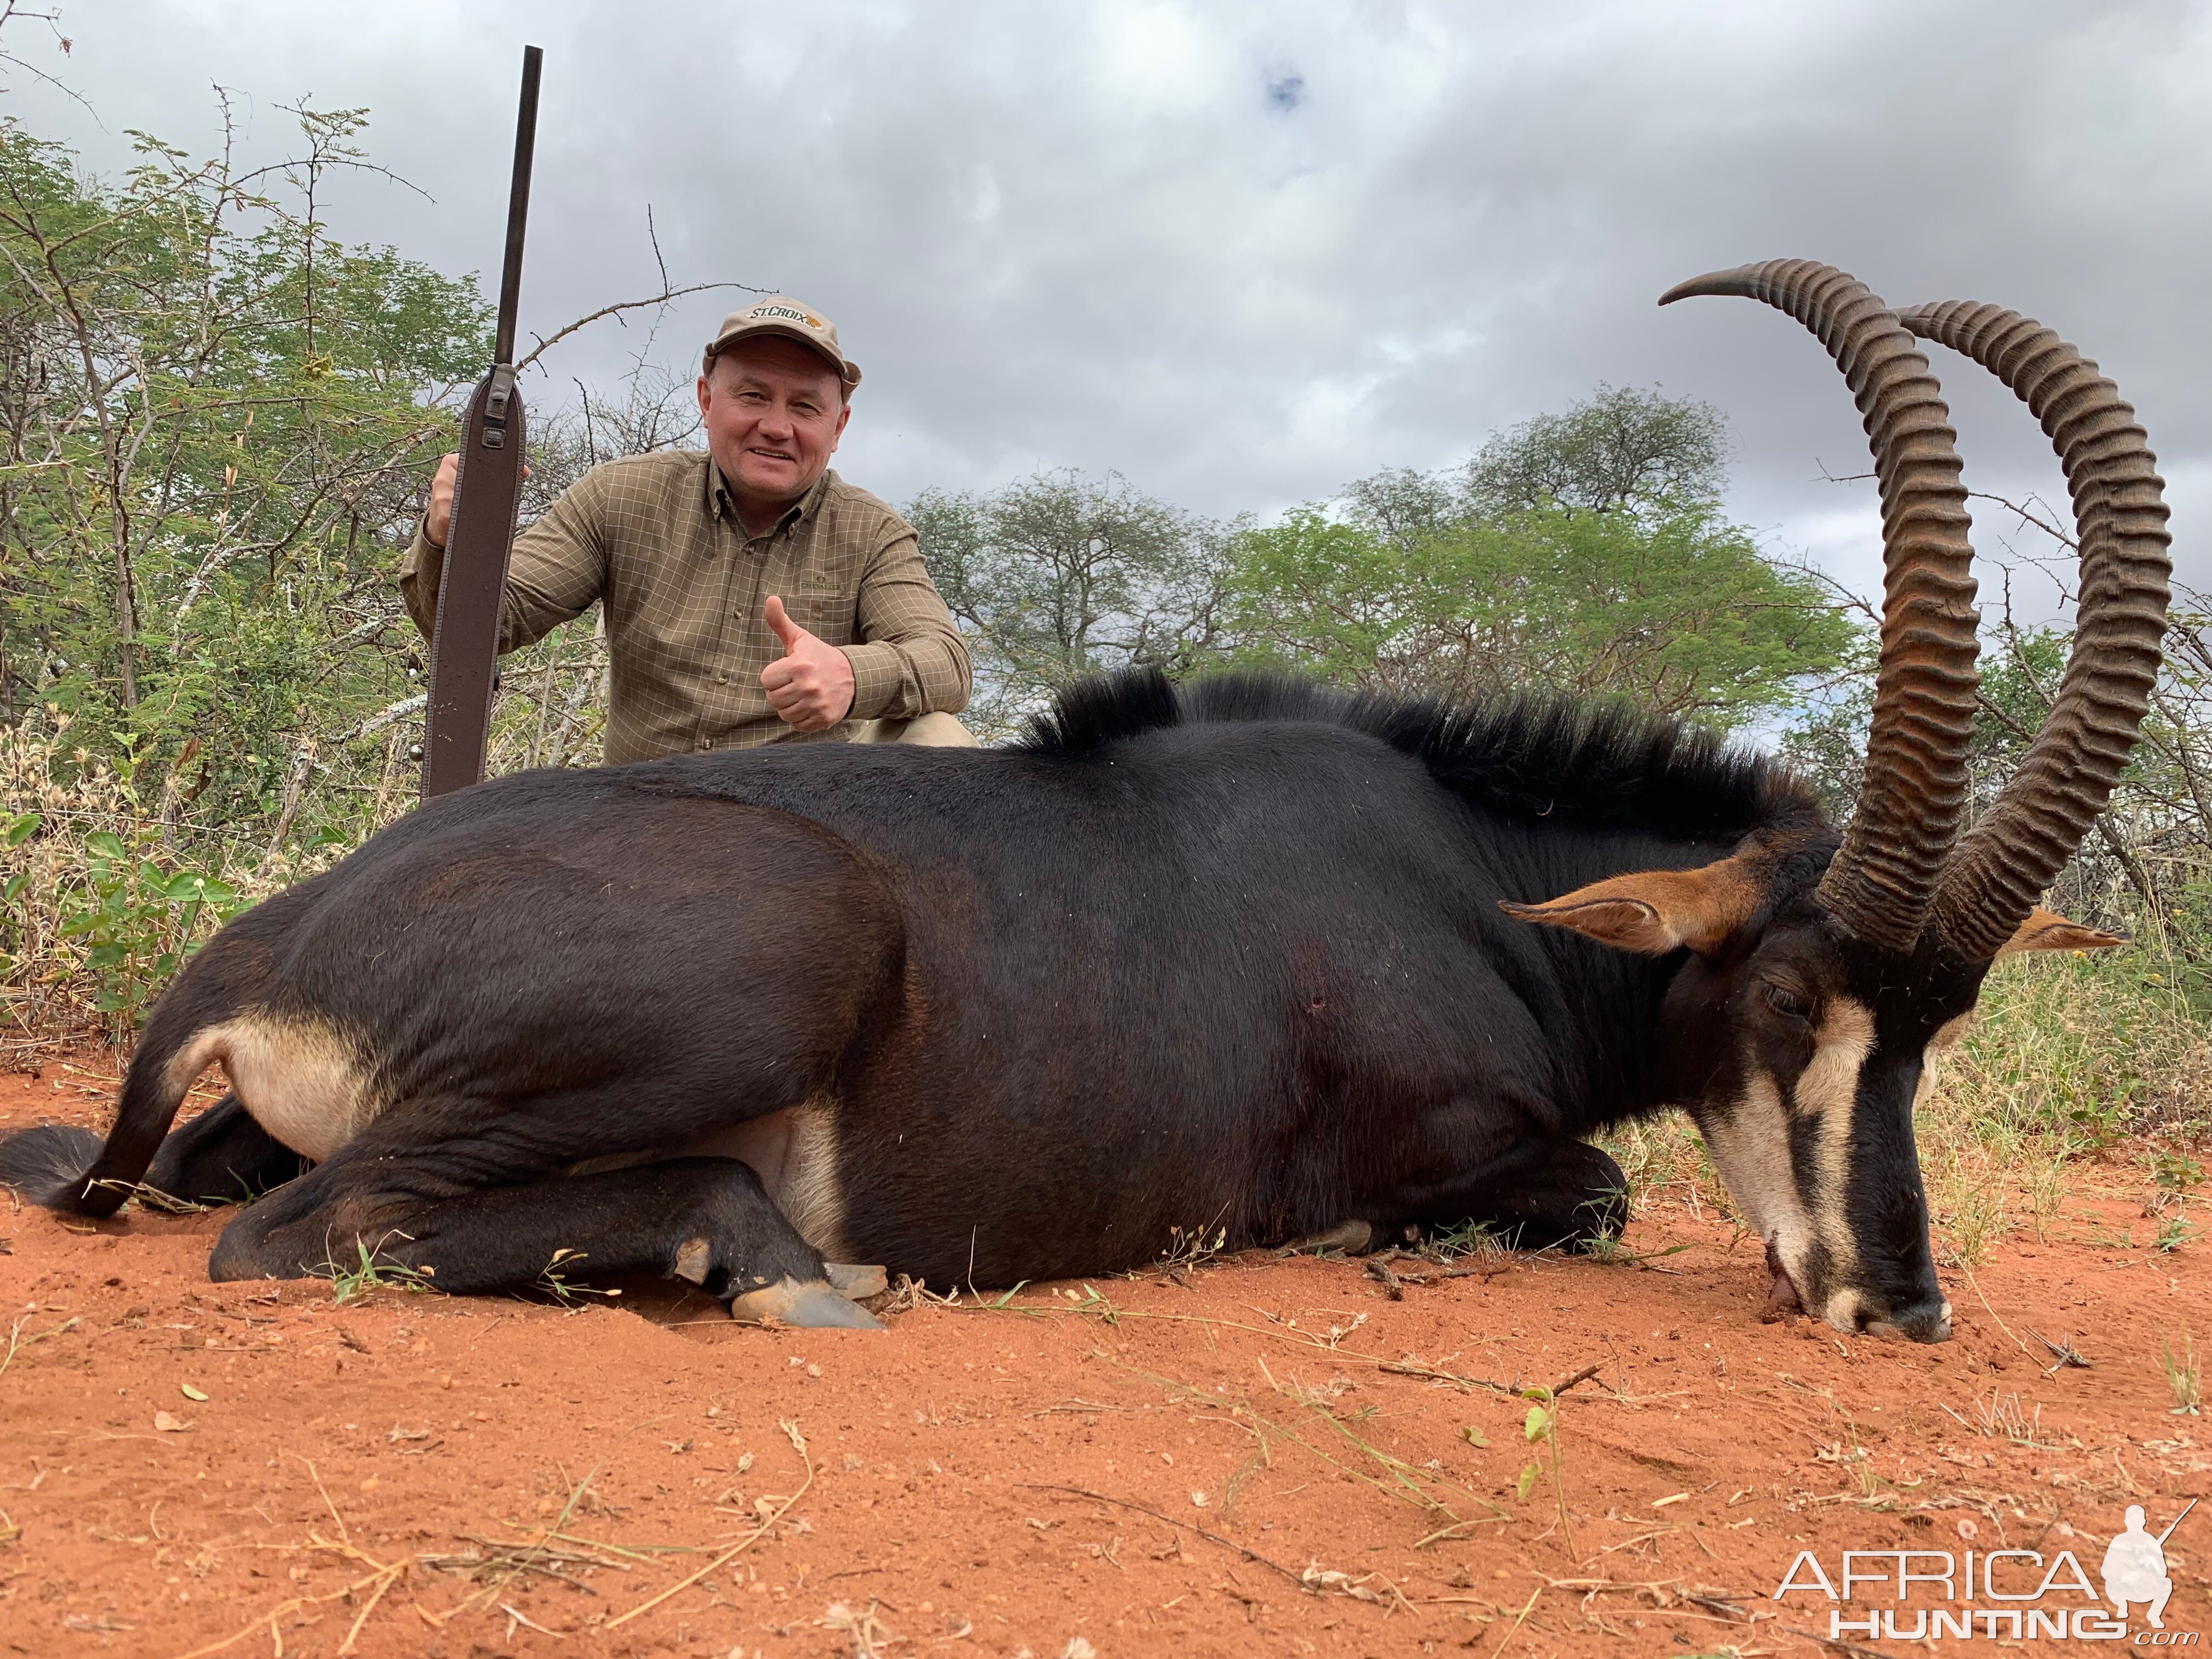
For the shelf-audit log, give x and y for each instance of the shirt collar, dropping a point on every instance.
(719, 503)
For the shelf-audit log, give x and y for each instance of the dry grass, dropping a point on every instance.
(53, 979)
(334, 792)
(2182, 1376)
(2069, 1057)
(2092, 1049)
(498, 1568)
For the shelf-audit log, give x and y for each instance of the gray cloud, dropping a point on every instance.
(1243, 253)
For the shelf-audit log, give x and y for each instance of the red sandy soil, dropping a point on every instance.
(1186, 1478)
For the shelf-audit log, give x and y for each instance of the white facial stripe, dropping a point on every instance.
(1829, 1087)
(1751, 1149)
(1843, 1310)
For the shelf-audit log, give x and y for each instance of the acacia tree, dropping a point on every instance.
(217, 419)
(1060, 575)
(1583, 551)
(1616, 450)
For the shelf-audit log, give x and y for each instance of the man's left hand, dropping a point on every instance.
(811, 685)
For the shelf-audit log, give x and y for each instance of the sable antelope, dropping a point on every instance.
(1247, 954)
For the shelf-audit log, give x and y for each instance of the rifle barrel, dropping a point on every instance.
(2178, 1520)
(517, 205)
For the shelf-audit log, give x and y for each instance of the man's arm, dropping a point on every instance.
(558, 567)
(911, 660)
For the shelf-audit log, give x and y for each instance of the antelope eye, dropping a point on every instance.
(1787, 1003)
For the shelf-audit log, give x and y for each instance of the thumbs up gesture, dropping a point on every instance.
(811, 685)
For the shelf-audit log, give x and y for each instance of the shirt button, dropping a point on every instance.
(704, 745)
(723, 677)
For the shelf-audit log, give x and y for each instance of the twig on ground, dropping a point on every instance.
(1582, 1375)
(791, 1431)
(1253, 1556)
(516, 1617)
(1320, 1578)
(2002, 1325)
(16, 1340)
(382, 1577)
(391, 1575)
(1851, 1649)
(2064, 1350)
(1519, 1619)
(524, 1558)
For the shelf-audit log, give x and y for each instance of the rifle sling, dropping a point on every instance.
(464, 641)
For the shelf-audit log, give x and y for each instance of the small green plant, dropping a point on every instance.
(2181, 1374)
(16, 829)
(559, 1285)
(349, 1283)
(136, 919)
(2176, 1230)
(2175, 1172)
(1189, 1247)
(1540, 1429)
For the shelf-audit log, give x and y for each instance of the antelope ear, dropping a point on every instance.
(2046, 930)
(1655, 911)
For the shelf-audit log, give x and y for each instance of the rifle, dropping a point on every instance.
(487, 493)
(2178, 1520)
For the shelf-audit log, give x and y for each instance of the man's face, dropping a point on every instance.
(773, 412)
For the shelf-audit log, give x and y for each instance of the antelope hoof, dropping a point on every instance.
(812, 1305)
(857, 1283)
(693, 1260)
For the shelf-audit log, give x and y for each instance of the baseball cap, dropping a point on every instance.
(794, 320)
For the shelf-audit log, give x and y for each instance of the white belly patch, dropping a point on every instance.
(299, 1079)
(794, 1153)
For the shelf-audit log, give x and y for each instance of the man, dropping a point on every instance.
(2135, 1569)
(751, 594)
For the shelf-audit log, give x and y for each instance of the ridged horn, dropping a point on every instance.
(1914, 797)
(2039, 821)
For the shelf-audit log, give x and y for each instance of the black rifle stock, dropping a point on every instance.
(487, 493)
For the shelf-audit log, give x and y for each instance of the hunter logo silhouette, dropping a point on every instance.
(2134, 1566)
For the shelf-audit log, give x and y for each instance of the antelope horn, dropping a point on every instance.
(1880, 886)
(2038, 823)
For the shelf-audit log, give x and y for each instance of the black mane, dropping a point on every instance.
(1530, 754)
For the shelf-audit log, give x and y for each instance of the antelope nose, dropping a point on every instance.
(1923, 1322)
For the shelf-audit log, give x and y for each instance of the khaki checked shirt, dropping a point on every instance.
(658, 541)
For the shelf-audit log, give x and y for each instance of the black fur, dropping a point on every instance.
(222, 1156)
(46, 1162)
(1532, 754)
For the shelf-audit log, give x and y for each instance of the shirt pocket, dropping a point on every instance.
(827, 613)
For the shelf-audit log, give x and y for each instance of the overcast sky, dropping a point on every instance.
(1243, 254)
